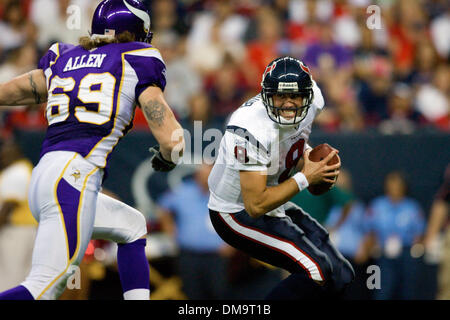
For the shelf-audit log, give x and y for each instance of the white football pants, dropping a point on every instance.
(64, 198)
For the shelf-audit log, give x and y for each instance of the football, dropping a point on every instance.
(317, 154)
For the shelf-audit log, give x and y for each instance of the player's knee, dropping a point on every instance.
(142, 222)
(319, 234)
(319, 239)
(348, 273)
(342, 278)
(320, 270)
(324, 234)
(325, 267)
(46, 282)
(318, 230)
(138, 228)
(291, 207)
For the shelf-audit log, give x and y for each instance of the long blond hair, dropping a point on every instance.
(89, 43)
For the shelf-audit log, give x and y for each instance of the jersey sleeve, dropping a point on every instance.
(244, 152)
(318, 101)
(149, 67)
(53, 53)
(50, 57)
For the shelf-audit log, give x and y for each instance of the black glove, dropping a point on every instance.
(158, 162)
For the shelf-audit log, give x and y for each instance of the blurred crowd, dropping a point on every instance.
(384, 68)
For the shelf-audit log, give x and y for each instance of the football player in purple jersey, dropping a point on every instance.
(91, 90)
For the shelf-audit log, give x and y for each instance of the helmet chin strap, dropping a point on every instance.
(278, 118)
(274, 113)
(295, 121)
(288, 122)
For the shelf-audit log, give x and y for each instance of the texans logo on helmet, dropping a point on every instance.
(304, 68)
(269, 69)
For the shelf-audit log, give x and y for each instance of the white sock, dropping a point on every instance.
(137, 294)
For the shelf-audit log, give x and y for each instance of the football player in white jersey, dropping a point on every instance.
(263, 162)
(91, 92)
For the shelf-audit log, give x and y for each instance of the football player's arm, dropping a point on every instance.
(162, 122)
(259, 198)
(29, 88)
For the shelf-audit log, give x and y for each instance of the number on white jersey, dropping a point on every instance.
(292, 157)
(58, 103)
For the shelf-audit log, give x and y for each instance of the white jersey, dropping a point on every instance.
(253, 142)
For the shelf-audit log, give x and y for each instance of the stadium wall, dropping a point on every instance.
(368, 156)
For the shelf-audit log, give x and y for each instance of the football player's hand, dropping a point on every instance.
(337, 171)
(300, 164)
(158, 161)
(317, 172)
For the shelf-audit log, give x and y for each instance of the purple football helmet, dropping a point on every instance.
(113, 17)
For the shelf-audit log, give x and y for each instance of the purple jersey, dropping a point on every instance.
(92, 95)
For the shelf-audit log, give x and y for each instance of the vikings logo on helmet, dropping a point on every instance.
(121, 16)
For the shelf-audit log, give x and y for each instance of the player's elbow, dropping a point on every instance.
(255, 202)
(254, 210)
(174, 145)
(8, 93)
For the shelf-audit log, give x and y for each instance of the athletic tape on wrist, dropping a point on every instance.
(301, 180)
